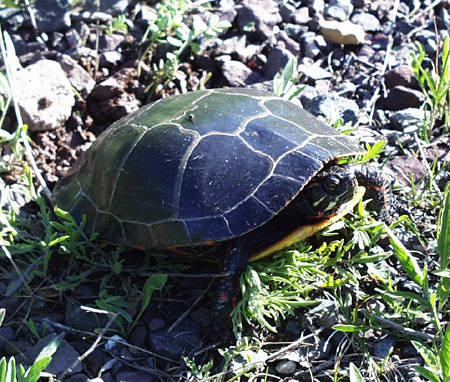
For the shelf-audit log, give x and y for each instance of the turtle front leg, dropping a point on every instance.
(378, 188)
(235, 260)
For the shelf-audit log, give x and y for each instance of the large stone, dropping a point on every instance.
(44, 95)
(276, 61)
(52, 15)
(263, 14)
(346, 32)
(331, 108)
(401, 97)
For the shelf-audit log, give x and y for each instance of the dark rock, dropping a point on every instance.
(401, 75)
(316, 6)
(286, 367)
(238, 74)
(57, 41)
(78, 76)
(276, 61)
(110, 59)
(73, 38)
(79, 378)
(138, 335)
(310, 45)
(115, 97)
(401, 97)
(64, 357)
(231, 45)
(290, 44)
(295, 31)
(323, 315)
(263, 13)
(135, 376)
(384, 347)
(286, 11)
(227, 14)
(52, 15)
(94, 361)
(184, 339)
(111, 7)
(407, 118)
(366, 52)
(313, 71)
(156, 324)
(80, 319)
(428, 40)
(332, 108)
(368, 21)
(110, 42)
(339, 9)
(265, 86)
(301, 16)
(307, 94)
(403, 166)
(12, 18)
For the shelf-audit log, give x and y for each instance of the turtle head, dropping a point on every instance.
(327, 191)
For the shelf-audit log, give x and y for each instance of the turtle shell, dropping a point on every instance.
(204, 166)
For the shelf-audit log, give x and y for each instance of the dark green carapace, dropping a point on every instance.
(205, 166)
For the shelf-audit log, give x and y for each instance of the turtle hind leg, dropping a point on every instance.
(378, 189)
(235, 260)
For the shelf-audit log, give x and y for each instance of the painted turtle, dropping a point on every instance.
(232, 166)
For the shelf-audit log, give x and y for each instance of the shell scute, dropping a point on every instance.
(220, 173)
(145, 190)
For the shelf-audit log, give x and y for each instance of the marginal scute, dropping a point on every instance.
(339, 146)
(84, 206)
(145, 190)
(275, 191)
(220, 173)
(247, 216)
(138, 235)
(171, 233)
(67, 191)
(109, 228)
(109, 157)
(202, 230)
(298, 166)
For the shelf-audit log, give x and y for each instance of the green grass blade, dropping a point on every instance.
(445, 355)
(408, 262)
(355, 374)
(444, 231)
(3, 369)
(427, 374)
(34, 372)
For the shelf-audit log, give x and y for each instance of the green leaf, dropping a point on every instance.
(153, 283)
(2, 317)
(3, 369)
(427, 374)
(34, 372)
(174, 41)
(355, 374)
(349, 328)
(408, 262)
(426, 353)
(11, 370)
(444, 230)
(445, 355)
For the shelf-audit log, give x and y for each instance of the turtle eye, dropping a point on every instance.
(331, 183)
